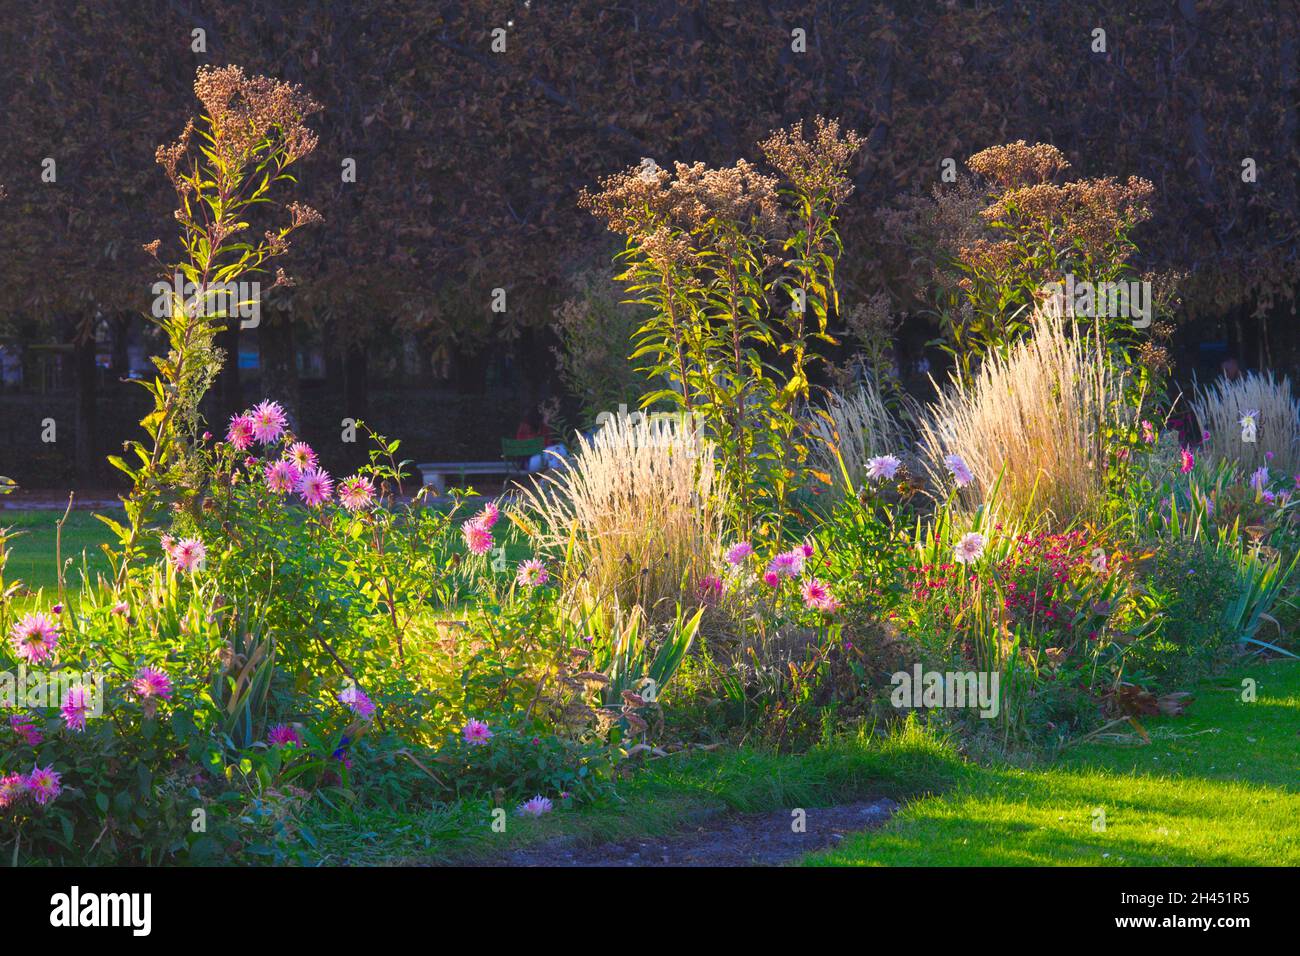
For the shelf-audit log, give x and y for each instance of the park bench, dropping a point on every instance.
(513, 463)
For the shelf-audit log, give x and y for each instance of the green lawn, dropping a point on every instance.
(1219, 786)
(32, 555)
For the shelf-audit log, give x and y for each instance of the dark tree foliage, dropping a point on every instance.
(469, 161)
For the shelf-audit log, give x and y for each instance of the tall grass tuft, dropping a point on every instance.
(1220, 406)
(859, 425)
(636, 517)
(1037, 415)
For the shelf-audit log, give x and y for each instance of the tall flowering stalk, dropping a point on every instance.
(708, 250)
(222, 167)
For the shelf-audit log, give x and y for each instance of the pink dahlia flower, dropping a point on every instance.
(269, 422)
(476, 732)
(35, 637)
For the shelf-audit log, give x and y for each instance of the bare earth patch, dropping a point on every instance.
(730, 839)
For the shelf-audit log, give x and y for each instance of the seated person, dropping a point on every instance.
(535, 425)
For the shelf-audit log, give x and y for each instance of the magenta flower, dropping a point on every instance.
(282, 476)
(817, 596)
(282, 735)
(269, 422)
(532, 573)
(771, 578)
(476, 732)
(356, 493)
(709, 590)
(355, 700)
(478, 539)
(302, 456)
(25, 727)
(187, 554)
(240, 433)
(1189, 461)
(43, 784)
(150, 682)
(961, 473)
(789, 564)
(76, 704)
(35, 637)
(535, 807)
(883, 466)
(315, 487)
(738, 553)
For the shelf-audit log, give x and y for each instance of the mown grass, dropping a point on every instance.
(32, 549)
(1219, 786)
(665, 795)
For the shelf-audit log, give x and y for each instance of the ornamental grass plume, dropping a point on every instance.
(636, 515)
(863, 431)
(1037, 416)
(1220, 407)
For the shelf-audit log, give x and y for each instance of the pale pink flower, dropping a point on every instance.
(488, 516)
(76, 704)
(478, 539)
(282, 476)
(532, 573)
(883, 466)
(188, 554)
(43, 784)
(737, 553)
(315, 487)
(269, 422)
(121, 609)
(969, 548)
(151, 682)
(13, 788)
(302, 456)
(35, 637)
(535, 807)
(1148, 432)
(476, 732)
(356, 493)
(240, 433)
(961, 473)
(355, 699)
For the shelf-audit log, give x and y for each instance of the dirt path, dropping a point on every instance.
(732, 839)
